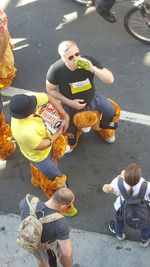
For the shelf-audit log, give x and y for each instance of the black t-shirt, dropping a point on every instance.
(73, 84)
(51, 231)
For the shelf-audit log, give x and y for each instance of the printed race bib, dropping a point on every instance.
(51, 117)
(81, 86)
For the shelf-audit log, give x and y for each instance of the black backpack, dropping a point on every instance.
(134, 210)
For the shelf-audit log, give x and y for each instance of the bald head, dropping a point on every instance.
(65, 46)
(63, 196)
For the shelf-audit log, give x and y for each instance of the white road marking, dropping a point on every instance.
(135, 117)
(125, 115)
(11, 91)
(4, 4)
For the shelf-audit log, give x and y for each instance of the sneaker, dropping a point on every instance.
(72, 139)
(109, 17)
(144, 244)
(68, 149)
(86, 130)
(110, 140)
(120, 237)
(91, 3)
(83, 2)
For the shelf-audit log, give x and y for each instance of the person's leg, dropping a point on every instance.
(48, 168)
(42, 264)
(103, 8)
(56, 250)
(57, 180)
(72, 130)
(72, 134)
(104, 106)
(42, 258)
(117, 226)
(145, 237)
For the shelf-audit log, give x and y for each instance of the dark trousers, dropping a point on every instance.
(119, 228)
(103, 6)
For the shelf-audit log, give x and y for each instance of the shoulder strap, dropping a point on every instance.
(122, 188)
(32, 208)
(142, 190)
(32, 204)
(51, 218)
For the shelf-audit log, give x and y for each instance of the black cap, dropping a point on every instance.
(22, 106)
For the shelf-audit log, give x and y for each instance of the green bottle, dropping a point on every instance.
(82, 64)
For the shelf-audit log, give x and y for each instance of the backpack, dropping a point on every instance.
(30, 229)
(134, 210)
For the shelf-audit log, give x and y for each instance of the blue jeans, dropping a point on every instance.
(48, 167)
(119, 228)
(104, 106)
(99, 103)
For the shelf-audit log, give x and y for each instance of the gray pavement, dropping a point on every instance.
(91, 165)
(90, 248)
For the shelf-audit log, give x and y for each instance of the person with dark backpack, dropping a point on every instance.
(132, 206)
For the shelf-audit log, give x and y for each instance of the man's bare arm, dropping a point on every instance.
(47, 142)
(66, 249)
(104, 75)
(53, 91)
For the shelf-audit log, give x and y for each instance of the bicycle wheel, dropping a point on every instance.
(138, 25)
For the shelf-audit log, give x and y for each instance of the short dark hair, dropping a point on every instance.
(63, 196)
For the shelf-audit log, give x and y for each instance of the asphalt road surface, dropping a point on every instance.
(37, 27)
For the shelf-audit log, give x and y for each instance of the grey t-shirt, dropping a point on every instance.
(57, 230)
(73, 84)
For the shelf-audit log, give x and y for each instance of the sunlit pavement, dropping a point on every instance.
(90, 249)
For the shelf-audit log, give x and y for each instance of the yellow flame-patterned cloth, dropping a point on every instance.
(7, 68)
(7, 146)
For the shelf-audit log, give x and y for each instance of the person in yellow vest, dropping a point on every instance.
(7, 68)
